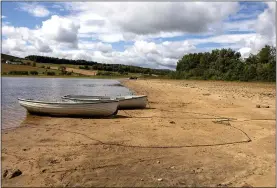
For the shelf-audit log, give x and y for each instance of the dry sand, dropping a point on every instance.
(184, 138)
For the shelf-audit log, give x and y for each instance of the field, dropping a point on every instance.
(193, 133)
(76, 72)
(79, 71)
(57, 65)
(6, 68)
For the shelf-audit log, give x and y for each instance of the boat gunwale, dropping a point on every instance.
(64, 103)
(116, 98)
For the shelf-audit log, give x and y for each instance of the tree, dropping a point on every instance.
(264, 54)
(62, 69)
(227, 64)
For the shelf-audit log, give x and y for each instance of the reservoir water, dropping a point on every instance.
(49, 89)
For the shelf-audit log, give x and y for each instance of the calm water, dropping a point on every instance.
(50, 89)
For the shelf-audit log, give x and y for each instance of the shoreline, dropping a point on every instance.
(81, 77)
(142, 78)
(138, 147)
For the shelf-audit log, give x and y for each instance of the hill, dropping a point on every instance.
(91, 65)
(8, 57)
(78, 67)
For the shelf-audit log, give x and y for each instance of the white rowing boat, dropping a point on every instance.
(125, 102)
(71, 108)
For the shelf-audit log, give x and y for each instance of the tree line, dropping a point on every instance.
(53, 60)
(227, 64)
(91, 65)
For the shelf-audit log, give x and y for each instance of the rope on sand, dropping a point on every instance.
(99, 142)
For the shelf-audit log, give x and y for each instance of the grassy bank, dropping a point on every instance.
(43, 70)
(9, 69)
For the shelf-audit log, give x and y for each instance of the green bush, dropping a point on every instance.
(86, 67)
(42, 66)
(34, 64)
(107, 73)
(18, 73)
(51, 73)
(34, 72)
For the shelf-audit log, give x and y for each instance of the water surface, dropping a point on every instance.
(49, 89)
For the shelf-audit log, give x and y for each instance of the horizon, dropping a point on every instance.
(155, 35)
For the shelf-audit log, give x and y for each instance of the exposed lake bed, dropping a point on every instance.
(193, 133)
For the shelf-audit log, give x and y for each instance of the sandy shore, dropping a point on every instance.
(194, 133)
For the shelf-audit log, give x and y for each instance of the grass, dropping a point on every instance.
(6, 68)
(57, 65)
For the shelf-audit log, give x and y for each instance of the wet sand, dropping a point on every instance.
(193, 133)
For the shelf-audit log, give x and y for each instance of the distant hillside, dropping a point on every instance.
(8, 57)
(91, 65)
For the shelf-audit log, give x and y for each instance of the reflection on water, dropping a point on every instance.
(111, 85)
(50, 89)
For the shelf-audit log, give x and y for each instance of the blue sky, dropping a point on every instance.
(146, 34)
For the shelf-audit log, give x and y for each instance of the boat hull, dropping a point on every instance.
(92, 109)
(131, 102)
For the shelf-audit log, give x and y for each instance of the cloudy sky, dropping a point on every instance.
(148, 34)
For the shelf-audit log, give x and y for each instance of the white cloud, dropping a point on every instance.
(3, 17)
(113, 22)
(271, 5)
(153, 17)
(17, 32)
(110, 37)
(265, 31)
(14, 45)
(142, 47)
(60, 29)
(42, 46)
(243, 25)
(245, 52)
(99, 46)
(34, 9)
(266, 22)
(90, 29)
